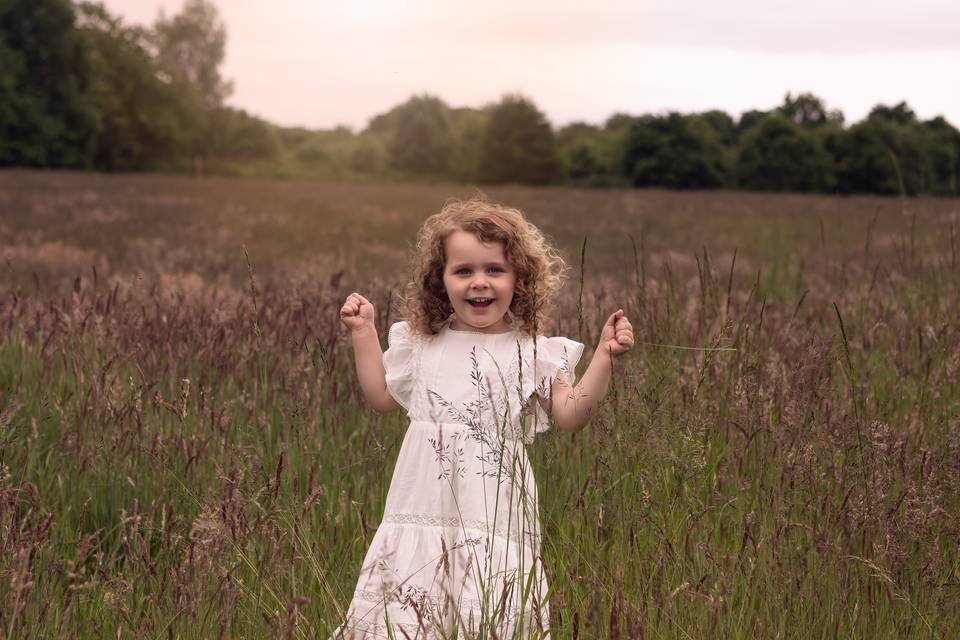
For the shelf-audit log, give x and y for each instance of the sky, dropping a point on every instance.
(323, 63)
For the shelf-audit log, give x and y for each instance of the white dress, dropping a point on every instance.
(459, 542)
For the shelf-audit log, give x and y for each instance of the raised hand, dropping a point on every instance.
(357, 313)
(616, 338)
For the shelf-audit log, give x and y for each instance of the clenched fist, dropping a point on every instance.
(616, 338)
(356, 314)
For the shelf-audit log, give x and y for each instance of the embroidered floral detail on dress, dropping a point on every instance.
(487, 419)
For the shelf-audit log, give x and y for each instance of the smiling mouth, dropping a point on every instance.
(480, 302)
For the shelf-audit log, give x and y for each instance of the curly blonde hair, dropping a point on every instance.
(539, 269)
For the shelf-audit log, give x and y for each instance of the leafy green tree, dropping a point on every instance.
(467, 129)
(724, 128)
(384, 123)
(519, 144)
(324, 151)
(610, 147)
(48, 116)
(369, 155)
(942, 143)
(832, 139)
(722, 124)
(779, 155)
(900, 113)
(866, 158)
(246, 137)
(576, 133)
(581, 163)
(142, 118)
(312, 152)
(887, 155)
(808, 110)
(575, 144)
(591, 155)
(748, 119)
(190, 48)
(290, 137)
(619, 120)
(673, 151)
(421, 139)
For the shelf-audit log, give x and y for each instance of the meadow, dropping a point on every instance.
(185, 453)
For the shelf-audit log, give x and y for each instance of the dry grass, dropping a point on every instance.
(169, 467)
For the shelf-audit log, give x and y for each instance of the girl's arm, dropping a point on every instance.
(573, 407)
(357, 315)
(370, 371)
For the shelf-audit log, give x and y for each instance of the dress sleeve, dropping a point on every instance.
(398, 362)
(555, 357)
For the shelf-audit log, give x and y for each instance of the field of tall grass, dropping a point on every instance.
(185, 453)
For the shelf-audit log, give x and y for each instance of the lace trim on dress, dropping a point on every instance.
(453, 522)
(429, 606)
(379, 629)
(417, 596)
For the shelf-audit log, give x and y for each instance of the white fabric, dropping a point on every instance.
(460, 536)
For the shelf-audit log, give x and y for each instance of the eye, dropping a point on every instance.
(491, 269)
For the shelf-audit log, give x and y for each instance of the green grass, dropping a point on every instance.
(806, 485)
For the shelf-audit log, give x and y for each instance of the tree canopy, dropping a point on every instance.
(81, 89)
(48, 115)
(519, 144)
(421, 137)
(777, 154)
(674, 151)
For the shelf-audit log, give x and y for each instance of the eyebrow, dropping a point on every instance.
(488, 264)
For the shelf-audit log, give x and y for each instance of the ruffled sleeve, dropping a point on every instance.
(399, 362)
(554, 357)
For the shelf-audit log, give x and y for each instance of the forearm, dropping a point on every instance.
(573, 408)
(370, 371)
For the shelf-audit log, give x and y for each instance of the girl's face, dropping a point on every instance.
(479, 282)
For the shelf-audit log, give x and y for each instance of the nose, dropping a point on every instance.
(479, 282)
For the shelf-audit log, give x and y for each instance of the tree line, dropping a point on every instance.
(80, 89)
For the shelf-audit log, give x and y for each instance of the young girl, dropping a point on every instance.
(459, 542)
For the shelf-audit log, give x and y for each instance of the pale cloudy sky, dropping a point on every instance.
(319, 63)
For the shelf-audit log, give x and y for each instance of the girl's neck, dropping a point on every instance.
(497, 329)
